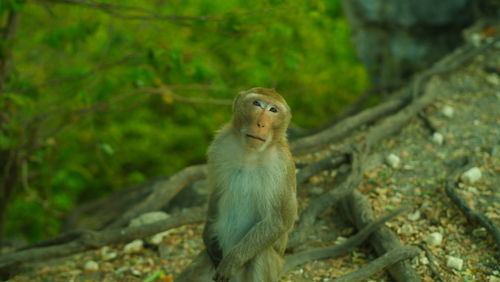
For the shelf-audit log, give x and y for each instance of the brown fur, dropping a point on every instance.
(252, 207)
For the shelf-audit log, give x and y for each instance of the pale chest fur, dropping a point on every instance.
(246, 186)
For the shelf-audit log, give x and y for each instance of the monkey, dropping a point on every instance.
(252, 205)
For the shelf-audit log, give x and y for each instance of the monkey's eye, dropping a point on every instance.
(256, 103)
(273, 109)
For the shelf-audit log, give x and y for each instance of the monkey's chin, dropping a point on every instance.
(255, 141)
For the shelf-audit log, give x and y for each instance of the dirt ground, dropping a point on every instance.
(466, 114)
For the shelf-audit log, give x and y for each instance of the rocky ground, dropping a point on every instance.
(466, 120)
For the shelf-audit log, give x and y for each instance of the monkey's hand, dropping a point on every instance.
(227, 269)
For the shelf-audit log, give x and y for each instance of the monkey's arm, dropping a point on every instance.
(213, 248)
(278, 222)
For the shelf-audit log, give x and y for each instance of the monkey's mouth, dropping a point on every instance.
(256, 137)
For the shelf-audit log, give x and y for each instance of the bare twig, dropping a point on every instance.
(8, 34)
(359, 211)
(432, 263)
(330, 162)
(79, 241)
(133, 12)
(316, 206)
(162, 193)
(93, 71)
(294, 260)
(471, 215)
(389, 258)
(341, 129)
(427, 123)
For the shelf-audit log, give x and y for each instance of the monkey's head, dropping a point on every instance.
(261, 116)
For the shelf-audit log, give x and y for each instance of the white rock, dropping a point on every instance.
(493, 79)
(393, 160)
(91, 266)
(148, 218)
(107, 254)
(493, 279)
(424, 260)
(476, 39)
(340, 240)
(316, 191)
(135, 272)
(448, 111)
(438, 138)
(480, 233)
(454, 262)
(158, 238)
(414, 216)
(406, 229)
(472, 175)
(133, 247)
(434, 239)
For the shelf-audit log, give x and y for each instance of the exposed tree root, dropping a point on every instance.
(294, 260)
(379, 264)
(83, 240)
(357, 208)
(469, 213)
(113, 213)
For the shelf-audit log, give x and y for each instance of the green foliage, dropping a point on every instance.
(76, 70)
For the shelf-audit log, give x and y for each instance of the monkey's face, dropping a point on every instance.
(260, 118)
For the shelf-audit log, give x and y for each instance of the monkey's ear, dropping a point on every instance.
(238, 97)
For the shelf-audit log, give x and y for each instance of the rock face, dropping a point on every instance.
(395, 38)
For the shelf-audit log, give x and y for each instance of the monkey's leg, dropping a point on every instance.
(200, 270)
(265, 267)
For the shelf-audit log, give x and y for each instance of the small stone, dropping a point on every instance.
(91, 266)
(106, 254)
(135, 272)
(414, 216)
(434, 239)
(406, 229)
(133, 247)
(493, 279)
(109, 256)
(340, 240)
(475, 39)
(471, 176)
(121, 270)
(448, 111)
(316, 191)
(454, 262)
(393, 160)
(148, 218)
(158, 238)
(479, 232)
(424, 260)
(493, 79)
(437, 138)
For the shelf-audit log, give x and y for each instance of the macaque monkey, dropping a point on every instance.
(252, 206)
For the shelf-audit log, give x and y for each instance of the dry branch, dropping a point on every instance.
(316, 206)
(380, 263)
(469, 213)
(343, 128)
(100, 212)
(357, 208)
(162, 193)
(432, 263)
(294, 260)
(330, 162)
(338, 131)
(80, 241)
